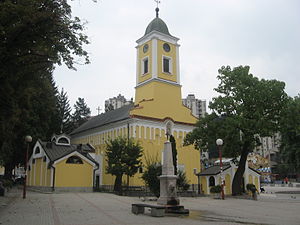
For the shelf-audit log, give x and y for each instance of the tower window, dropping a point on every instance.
(167, 65)
(145, 65)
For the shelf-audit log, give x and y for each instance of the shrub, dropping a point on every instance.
(251, 187)
(7, 183)
(216, 189)
(182, 182)
(150, 176)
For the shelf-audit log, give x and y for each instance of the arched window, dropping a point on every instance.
(211, 181)
(63, 140)
(37, 150)
(74, 160)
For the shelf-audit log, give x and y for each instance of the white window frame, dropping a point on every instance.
(170, 65)
(143, 64)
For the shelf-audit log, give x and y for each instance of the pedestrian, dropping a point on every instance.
(286, 180)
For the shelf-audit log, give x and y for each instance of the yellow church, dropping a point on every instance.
(157, 106)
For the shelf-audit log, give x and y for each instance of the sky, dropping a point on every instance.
(264, 34)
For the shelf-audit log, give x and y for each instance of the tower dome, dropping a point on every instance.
(157, 24)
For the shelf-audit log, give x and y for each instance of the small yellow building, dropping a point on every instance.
(60, 166)
(212, 177)
(157, 108)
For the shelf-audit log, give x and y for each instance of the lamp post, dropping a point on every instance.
(219, 143)
(28, 139)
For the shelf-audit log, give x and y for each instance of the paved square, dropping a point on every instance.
(106, 209)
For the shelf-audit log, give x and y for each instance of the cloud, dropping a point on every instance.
(262, 34)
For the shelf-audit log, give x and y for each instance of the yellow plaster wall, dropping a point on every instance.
(152, 147)
(256, 183)
(204, 185)
(250, 179)
(38, 179)
(227, 184)
(172, 55)
(37, 175)
(142, 55)
(48, 179)
(1, 170)
(73, 175)
(160, 100)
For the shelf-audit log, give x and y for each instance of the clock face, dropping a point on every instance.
(166, 47)
(145, 48)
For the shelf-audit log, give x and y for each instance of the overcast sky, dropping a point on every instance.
(264, 34)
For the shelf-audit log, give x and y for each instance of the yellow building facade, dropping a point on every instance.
(60, 166)
(157, 109)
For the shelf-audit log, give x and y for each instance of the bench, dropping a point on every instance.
(156, 210)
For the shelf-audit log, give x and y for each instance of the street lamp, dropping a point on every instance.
(219, 143)
(28, 139)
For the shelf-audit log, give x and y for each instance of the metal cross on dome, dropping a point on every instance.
(157, 2)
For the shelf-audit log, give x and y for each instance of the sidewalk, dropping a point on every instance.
(107, 209)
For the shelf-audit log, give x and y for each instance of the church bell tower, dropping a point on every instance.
(158, 89)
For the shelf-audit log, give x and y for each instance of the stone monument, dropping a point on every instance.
(168, 190)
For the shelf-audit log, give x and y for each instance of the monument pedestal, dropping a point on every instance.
(168, 191)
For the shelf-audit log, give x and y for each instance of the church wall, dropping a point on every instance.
(151, 136)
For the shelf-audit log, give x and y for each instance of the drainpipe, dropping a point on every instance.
(53, 178)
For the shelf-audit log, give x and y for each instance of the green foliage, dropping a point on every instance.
(182, 182)
(251, 187)
(7, 183)
(81, 114)
(174, 153)
(64, 112)
(35, 35)
(245, 108)
(216, 189)
(123, 157)
(150, 176)
(290, 136)
(39, 32)
(212, 127)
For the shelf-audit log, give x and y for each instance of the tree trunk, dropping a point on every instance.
(118, 184)
(237, 188)
(127, 182)
(8, 168)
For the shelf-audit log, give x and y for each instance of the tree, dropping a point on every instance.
(33, 111)
(39, 32)
(64, 111)
(150, 176)
(182, 181)
(123, 157)
(81, 114)
(109, 107)
(174, 153)
(290, 136)
(34, 36)
(245, 108)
